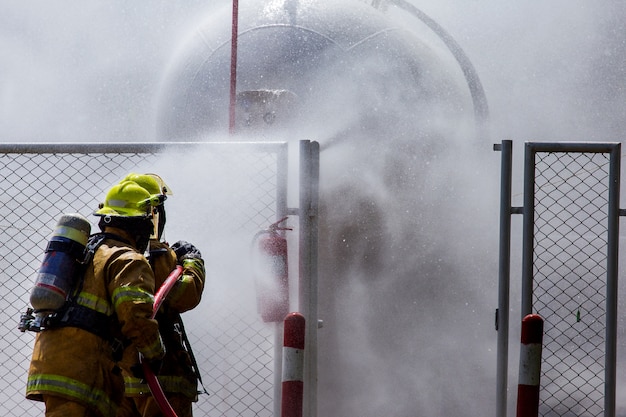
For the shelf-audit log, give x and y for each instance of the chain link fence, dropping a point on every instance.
(223, 194)
(571, 213)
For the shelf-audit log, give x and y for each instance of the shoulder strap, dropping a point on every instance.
(187, 345)
(93, 243)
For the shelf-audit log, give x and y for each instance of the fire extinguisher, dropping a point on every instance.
(271, 272)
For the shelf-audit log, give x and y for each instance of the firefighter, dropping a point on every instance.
(74, 368)
(179, 374)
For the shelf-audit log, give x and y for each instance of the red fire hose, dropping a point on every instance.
(153, 382)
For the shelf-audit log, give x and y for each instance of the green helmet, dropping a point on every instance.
(128, 199)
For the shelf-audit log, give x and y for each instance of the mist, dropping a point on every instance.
(91, 71)
(408, 228)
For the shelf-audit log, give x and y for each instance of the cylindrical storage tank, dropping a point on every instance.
(325, 58)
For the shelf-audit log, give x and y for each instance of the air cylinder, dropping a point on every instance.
(61, 264)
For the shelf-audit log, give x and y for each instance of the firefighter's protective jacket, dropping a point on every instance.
(177, 375)
(79, 365)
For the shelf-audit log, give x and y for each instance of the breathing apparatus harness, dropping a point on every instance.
(72, 314)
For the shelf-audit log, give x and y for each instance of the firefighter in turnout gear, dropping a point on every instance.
(74, 367)
(179, 374)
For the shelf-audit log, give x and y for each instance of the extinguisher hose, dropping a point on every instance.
(153, 382)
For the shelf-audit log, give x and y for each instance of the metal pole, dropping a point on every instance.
(282, 169)
(528, 230)
(611, 285)
(233, 66)
(502, 313)
(309, 200)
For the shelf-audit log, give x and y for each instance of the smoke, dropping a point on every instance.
(90, 71)
(408, 239)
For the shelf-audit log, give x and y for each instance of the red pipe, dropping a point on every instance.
(151, 379)
(530, 366)
(233, 67)
(293, 366)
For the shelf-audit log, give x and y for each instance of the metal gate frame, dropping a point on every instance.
(528, 210)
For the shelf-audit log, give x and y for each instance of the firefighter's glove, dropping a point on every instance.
(185, 250)
(154, 365)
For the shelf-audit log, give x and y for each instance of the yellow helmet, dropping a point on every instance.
(153, 183)
(127, 199)
(151, 206)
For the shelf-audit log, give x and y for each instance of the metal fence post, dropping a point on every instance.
(528, 230)
(612, 276)
(309, 200)
(502, 313)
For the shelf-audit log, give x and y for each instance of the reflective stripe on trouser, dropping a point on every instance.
(169, 383)
(70, 388)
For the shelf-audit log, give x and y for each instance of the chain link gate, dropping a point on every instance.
(223, 193)
(569, 271)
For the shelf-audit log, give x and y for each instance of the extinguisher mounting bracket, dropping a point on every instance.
(274, 226)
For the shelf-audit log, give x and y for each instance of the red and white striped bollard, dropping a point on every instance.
(293, 366)
(530, 366)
